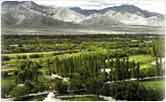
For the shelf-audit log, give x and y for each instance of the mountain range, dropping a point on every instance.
(15, 13)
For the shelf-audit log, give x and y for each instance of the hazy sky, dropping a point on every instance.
(151, 5)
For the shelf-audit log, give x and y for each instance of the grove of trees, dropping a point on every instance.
(92, 63)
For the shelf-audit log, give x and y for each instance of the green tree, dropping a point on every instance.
(158, 53)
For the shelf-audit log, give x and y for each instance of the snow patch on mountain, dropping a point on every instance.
(67, 15)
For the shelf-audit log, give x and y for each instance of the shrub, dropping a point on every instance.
(94, 85)
(76, 85)
(21, 57)
(29, 84)
(122, 90)
(5, 89)
(154, 94)
(4, 74)
(5, 58)
(146, 72)
(131, 91)
(57, 53)
(35, 55)
(19, 91)
(41, 85)
(61, 86)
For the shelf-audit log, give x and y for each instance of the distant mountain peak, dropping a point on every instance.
(18, 2)
(28, 2)
(10, 3)
(28, 12)
(127, 7)
(121, 8)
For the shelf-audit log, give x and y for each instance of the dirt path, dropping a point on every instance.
(51, 98)
(45, 52)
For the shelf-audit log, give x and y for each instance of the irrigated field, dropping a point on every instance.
(29, 61)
